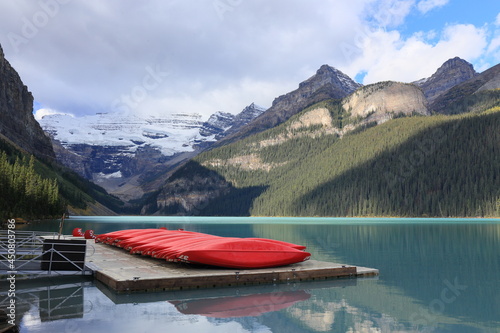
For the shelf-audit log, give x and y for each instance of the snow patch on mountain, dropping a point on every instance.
(216, 124)
(170, 134)
(346, 81)
(220, 124)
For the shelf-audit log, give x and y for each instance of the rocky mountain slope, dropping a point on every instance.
(451, 73)
(17, 123)
(108, 145)
(221, 124)
(33, 184)
(381, 101)
(318, 154)
(122, 152)
(373, 104)
(243, 118)
(217, 124)
(410, 166)
(327, 83)
(449, 101)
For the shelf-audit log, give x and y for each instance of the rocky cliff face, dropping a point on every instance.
(243, 118)
(115, 168)
(222, 124)
(382, 101)
(327, 83)
(217, 124)
(450, 74)
(370, 104)
(488, 80)
(16, 114)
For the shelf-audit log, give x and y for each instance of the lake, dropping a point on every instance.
(436, 275)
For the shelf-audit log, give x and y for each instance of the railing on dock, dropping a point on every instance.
(38, 253)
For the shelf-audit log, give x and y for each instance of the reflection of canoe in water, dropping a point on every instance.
(200, 248)
(241, 306)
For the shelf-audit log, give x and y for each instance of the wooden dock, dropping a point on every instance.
(123, 272)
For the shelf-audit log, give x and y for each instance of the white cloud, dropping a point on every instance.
(91, 53)
(494, 44)
(228, 99)
(388, 13)
(494, 49)
(388, 56)
(425, 6)
(497, 22)
(40, 113)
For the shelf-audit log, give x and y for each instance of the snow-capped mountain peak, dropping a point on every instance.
(169, 134)
(220, 124)
(113, 146)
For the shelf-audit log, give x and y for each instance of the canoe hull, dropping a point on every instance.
(198, 248)
(243, 253)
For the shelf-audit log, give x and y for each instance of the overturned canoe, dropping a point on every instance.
(242, 253)
(199, 248)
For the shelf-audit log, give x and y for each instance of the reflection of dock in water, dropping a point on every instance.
(64, 300)
(241, 301)
(123, 272)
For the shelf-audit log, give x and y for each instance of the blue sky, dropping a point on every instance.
(453, 12)
(483, 15)
(164, 56)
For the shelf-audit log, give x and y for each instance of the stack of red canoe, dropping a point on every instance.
(200, 248)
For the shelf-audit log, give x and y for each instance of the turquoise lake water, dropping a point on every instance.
(436, 275)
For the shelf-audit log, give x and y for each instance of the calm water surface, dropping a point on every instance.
(435, 276)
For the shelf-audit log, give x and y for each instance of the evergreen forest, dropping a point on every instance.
(410, 166)
(36, 189)
(26, 193)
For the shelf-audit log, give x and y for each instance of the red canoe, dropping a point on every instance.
(150, 238)
(172, 253)
(167, 244)
(242, 253)
(200, 248)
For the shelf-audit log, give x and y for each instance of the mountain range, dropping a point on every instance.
(450, 74)
(331, 147)
(123, 152)
(381, 149)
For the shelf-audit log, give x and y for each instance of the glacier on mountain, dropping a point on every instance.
(170, 134)
(114, 146)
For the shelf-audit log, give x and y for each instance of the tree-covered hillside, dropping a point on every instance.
(35, 189)
(26, 193)
(409, 166)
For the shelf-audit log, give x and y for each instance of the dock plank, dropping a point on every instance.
(124, 272)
